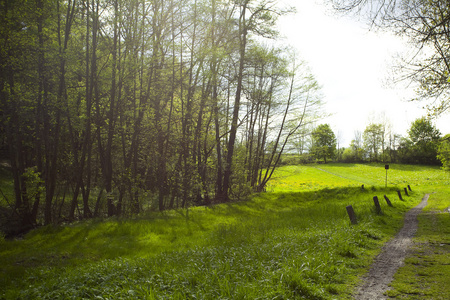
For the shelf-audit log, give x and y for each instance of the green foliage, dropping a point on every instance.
(324, 142)
(422, 145)
(354, 153)
(373, 140)
(444, 152)
(33, 182)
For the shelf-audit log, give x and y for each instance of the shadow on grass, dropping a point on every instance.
(202, 227)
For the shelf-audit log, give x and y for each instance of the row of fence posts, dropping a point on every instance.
(351, 212)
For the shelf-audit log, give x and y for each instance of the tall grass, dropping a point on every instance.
(289, 243)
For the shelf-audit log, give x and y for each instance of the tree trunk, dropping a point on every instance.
(237, 101)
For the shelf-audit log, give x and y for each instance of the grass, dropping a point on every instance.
(294, 241)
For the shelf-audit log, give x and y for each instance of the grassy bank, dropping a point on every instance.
(294, 241)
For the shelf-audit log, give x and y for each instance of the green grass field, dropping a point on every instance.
(293, 242)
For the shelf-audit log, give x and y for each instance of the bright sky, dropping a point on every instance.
(352, 64)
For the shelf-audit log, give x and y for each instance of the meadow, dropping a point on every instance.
(294, 241)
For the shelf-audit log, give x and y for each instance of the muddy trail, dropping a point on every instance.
(376, 281)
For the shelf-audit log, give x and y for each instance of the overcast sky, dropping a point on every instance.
(352, 64)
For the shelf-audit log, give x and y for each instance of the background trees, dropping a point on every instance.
(379, 144)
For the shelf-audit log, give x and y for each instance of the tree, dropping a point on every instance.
(424, 139)
(324, 142)
(302, 102)
(373, 137)
(257, 18)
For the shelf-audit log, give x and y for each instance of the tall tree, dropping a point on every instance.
(324, 145)
(424, 138)
(257, 18)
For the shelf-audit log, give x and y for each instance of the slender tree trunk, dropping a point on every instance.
(237, 101)
(107, 159)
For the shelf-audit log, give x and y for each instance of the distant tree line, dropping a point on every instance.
(378, 143)
(110, 107)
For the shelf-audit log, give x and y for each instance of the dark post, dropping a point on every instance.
(377, 205)
(406, 192)
(351, 214)
(399, 195)
(387, 168)
(387, 200)
(362, 186)
(409, 188)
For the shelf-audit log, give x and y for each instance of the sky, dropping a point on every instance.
(352, 63)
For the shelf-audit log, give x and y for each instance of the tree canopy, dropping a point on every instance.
(324, 142)
(424, 139)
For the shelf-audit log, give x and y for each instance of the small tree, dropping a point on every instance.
(324, 142)
(424, 139)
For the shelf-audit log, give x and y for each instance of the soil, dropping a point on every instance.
(393, 253)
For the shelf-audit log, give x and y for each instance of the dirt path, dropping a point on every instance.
(385, 265)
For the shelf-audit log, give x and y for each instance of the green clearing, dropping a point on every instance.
(294, 241)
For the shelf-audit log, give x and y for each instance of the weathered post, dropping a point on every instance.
(399, 195)
(377, 205)
(351, 214)
(387, 200)
(362, 187)
(406, 192)
(409, 188)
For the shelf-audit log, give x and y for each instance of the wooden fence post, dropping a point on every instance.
(399, 195)
(351, 214)
(387, 200)
(409, 188)
(406, 192)
(377, 205)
